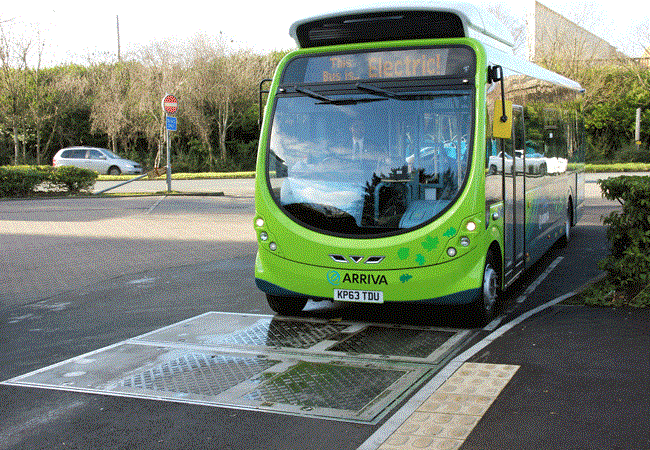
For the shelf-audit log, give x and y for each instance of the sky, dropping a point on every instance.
(72, 29)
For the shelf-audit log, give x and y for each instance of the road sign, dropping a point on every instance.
(170, 104)
(171, 123)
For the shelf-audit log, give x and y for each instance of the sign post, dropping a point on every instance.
(170, 107)
(637, 129)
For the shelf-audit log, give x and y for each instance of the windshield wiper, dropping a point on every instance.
(390, 94)
(376, 90)
(313, 95)
(330, 101)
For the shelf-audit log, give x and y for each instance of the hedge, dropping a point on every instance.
(23, 181)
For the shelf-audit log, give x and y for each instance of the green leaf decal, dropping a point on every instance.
(405, 277)
(450, 232)
(430, 243)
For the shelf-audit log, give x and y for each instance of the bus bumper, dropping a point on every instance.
(454, 282)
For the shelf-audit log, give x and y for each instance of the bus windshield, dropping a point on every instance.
(370, 161)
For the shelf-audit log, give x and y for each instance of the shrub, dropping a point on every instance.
(20, 181)
(74, 179)
(628, 263)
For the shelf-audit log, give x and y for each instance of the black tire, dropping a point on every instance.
(286, 306)
(483, 309)
(113, 170)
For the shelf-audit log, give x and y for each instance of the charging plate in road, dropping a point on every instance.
(327, 369)
(425, 345)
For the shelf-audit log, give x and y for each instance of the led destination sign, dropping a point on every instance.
(411, 63)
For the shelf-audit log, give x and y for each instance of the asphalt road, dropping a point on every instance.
(82, 274)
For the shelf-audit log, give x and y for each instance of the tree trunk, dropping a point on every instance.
(16, 145)
(54, 128)
(222, 128)
(38, 146)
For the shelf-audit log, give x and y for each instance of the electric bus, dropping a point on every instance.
(406, 155)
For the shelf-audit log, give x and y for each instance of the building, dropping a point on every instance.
(552, 37)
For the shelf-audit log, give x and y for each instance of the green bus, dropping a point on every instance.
(406, 155)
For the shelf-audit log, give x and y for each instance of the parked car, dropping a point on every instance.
(97, 159)
(535, 163)
(496, 164)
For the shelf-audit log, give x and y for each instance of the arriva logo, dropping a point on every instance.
(334, 277)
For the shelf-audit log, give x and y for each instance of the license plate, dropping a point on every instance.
(349, 295)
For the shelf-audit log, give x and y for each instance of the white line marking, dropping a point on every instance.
(155, 205)
(530, 289)
(495, 323)
(142, 281)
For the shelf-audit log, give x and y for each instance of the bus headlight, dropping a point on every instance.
(264, 236)
(259, 222)
(471, 226)
(273, 246)
(464, 241)
(451, 252)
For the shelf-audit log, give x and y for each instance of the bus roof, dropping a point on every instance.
(524, 67)
(401, 19)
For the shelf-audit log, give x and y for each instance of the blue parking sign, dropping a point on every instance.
(171, 123)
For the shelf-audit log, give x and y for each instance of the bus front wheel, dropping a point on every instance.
(286, 306)
(483, 308)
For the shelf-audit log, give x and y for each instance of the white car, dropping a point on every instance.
(557, 165)
(535, 163)
(496, 163)
(97, 159)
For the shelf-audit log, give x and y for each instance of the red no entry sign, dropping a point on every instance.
(170, 104)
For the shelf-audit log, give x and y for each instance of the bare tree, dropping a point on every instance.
(640, 45)
(642, 35)
(159, 71)
(36, 101)
(516, 25)
(221, 80)
(110, 84)
(69, 91)
(13, 58)
(205, 91)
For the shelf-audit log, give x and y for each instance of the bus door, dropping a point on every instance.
(514, 188)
